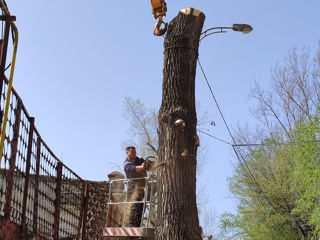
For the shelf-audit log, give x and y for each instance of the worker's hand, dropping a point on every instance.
(140, 168)
(143, 166)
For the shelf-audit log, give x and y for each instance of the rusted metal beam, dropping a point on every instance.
(8, 18)
(83, 200)
(4, 47)
(85, 214)
(24, 227)
(3, 58)
(12, 161)
(9, 230)
(57, 201)
(36, 188)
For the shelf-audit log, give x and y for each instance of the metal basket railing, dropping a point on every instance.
(122, 201)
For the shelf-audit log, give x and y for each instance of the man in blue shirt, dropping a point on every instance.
(134, 167)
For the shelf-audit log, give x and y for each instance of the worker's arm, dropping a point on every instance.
(140, 168)
(131, 167)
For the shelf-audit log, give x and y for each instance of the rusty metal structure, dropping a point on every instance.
(95, 218)
(40, 197)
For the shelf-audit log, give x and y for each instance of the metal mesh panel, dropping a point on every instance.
(5, 166)
(3, 186)
(32, 184)
(71, 203)
(33, 193)
(19, 156)
(97, 210)
(17, 165)
(46, 194)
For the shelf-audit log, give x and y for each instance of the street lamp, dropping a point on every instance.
(244, 28)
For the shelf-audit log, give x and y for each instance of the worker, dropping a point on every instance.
(134, 167)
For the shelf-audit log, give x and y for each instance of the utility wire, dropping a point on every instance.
(275, 144)
(216, 102)
(224, 120)
(238, 153)
(248, 173)
(219, 139)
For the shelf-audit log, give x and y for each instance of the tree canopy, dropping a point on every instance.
(277, 182)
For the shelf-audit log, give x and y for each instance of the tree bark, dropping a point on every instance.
(178, 140)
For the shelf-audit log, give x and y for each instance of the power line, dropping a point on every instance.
(216, 102)
(240, 158)
(242, 162)
(275, 144)
(219, 139)
(224, 120)
(233, 139)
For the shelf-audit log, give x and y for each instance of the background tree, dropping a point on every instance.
(293, 96)
(144, 129)
(266, 202)
(277, 184)
(306, 173)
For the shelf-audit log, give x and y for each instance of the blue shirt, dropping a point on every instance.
(130, 170)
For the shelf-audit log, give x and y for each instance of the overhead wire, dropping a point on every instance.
(276, 144)
(216, 102)
(219, 139)
(235, 146)
(258, 144)
(241, 159)
(217, 105)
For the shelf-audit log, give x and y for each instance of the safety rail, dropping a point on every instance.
(123, 203)
(39, 195)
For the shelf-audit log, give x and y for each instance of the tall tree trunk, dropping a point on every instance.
(178, 140)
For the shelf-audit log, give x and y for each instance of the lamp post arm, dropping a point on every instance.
(208, 33)
(244, 28)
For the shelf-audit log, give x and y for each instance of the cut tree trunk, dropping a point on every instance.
(178, 140)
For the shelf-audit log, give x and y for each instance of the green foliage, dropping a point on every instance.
(262, 186)
(306, 173)
(278, 187)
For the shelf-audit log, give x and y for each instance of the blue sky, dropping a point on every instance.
(77, 60)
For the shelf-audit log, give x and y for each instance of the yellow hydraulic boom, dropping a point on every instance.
(159, 10)
(13, 61)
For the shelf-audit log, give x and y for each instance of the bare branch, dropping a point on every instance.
(274, 114)
(142, 125)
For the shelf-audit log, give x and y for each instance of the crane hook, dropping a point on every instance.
(159, 9)
(157, 30)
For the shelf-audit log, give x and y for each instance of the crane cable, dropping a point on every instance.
(4, 8)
